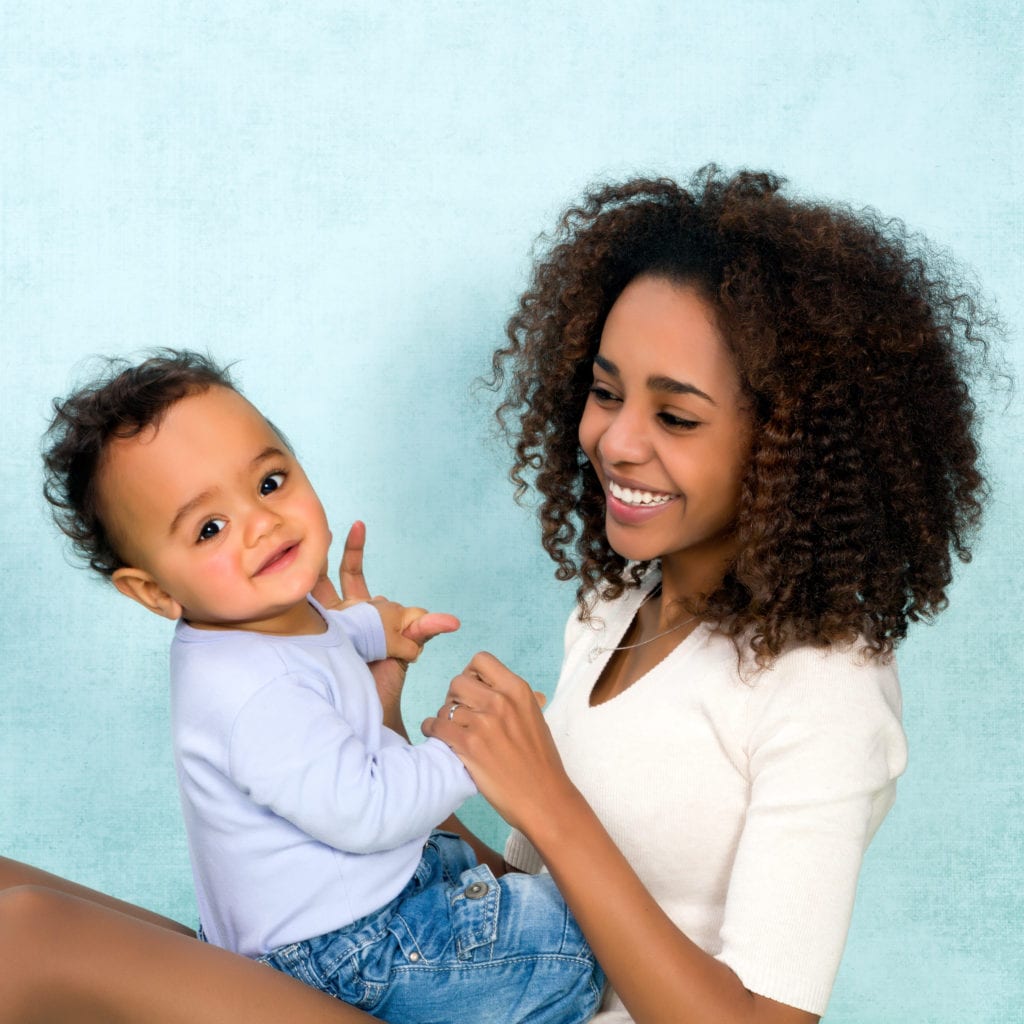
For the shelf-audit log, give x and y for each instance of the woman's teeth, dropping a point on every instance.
(630, 497)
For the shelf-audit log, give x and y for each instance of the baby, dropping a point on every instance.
(310, 823)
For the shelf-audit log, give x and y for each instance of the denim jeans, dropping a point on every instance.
(457, 946)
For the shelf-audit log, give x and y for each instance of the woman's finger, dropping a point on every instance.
(491, 671)
(472, 692)
(353, 583)
(324, 592)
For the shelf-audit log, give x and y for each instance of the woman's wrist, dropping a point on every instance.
(557, 820)
(393, 721)
(389, 677)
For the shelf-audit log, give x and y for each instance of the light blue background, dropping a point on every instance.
(342, 197)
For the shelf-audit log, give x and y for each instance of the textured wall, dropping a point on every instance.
(342, 197)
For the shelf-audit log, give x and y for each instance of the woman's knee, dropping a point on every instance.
(30, 925)
(34, 923)
(27, 910)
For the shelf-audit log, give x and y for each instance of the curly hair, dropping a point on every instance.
(863, 478)
(120, 403)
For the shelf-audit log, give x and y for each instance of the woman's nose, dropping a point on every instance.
(626, 438)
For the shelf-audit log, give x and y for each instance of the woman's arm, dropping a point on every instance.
(73, 954)
(660, 975)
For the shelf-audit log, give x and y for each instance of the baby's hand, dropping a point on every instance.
(406, 630)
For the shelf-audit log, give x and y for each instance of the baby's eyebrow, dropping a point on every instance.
(270, 452)
(187, 508)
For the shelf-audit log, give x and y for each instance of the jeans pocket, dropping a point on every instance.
(356, 972)
(475, 906)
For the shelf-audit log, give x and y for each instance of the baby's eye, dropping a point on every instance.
(271, 483)
(210, 529)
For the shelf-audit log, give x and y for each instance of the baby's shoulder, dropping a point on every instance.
(231, 663)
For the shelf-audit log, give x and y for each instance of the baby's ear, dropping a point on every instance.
(140, 586)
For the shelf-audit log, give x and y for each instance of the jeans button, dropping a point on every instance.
(476, 891)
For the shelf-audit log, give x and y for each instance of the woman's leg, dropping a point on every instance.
(13, 873)
(66, 958)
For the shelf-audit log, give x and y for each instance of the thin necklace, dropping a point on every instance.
(598, 651)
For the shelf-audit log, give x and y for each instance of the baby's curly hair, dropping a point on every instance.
(863, 479)
(121, 402)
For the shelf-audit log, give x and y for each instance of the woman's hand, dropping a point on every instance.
(422, 627)
(350, 574)
(498, 731)
(389, 673)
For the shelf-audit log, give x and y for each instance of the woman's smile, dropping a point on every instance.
(633, 496)
(631, 506)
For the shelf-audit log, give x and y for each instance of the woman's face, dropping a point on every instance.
(667, 430)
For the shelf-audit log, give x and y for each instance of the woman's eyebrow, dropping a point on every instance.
(677, 387)
(658, 383)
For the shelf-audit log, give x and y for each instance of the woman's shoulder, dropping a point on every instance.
(842, 701)
(826, 669)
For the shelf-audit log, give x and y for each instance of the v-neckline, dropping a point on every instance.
(642, 595)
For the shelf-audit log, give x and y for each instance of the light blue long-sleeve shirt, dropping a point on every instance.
(303, 812)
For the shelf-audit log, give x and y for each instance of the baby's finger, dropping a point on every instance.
(429, 625)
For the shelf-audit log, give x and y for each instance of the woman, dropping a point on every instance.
(749, 423)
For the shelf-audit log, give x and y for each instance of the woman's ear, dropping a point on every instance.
(140, 586)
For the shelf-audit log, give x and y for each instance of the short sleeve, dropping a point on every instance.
(825, 748)
(520, 854)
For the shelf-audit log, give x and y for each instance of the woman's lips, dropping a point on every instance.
(638, 495)
(633, 515)
(632, 506)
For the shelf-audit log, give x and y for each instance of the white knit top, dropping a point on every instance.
(743, 802)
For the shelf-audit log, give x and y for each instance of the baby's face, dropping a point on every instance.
(214, 507)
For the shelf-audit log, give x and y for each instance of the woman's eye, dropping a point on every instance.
(602, 394)
(271, 483)
(211, 528)
(677, 422)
